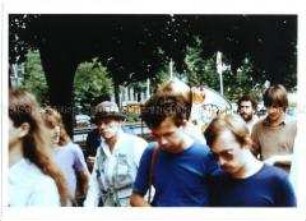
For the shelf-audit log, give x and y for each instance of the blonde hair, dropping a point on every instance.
(53, 118)
(23, 108)
(177, 87)
(231, 122)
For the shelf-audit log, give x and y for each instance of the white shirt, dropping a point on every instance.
(28, 186)
(115, 171)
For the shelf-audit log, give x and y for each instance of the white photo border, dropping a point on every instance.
(157, 7)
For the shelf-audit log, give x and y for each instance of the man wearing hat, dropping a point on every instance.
(117, 159)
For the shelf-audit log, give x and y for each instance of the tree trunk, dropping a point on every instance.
(117, 93)
(11, 73)
(60, 71)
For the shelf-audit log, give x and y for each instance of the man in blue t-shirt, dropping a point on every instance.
(244, 180)
(177, 167)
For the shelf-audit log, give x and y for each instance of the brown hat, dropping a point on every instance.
(108, 109)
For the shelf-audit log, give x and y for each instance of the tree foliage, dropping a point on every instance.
(34, 78)
(135, 47)
(268, 40)
(202, 71)
(91, 82)
(162, 75)
(20, 38)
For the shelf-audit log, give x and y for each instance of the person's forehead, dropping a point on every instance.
(224, 141)
(246, 103)
(274, 105)
(165, 126)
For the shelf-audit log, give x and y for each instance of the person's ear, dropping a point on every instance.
(24, 129)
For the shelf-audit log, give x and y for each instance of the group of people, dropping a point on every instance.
(229, 164)
(45, 167)
(272, 136)
(34, 177)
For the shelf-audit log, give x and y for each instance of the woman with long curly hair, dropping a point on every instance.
(34, 178)
(68, 155)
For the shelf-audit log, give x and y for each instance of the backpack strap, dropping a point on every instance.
(152, 164)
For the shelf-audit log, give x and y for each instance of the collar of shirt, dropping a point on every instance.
(284, 121)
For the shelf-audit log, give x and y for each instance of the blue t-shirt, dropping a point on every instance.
(269, 187)
(179, 179)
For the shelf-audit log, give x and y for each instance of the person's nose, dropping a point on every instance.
(271, 110)
(221, 161)
(102, 126)
(162, 141)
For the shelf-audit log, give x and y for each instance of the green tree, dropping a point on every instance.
(159, 78)
(128, 45)
(195, 64)
(34, 78)
(200, 71)
(91, 82)
(241, 82)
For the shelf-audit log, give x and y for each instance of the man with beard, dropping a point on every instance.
(243, 180)
(247, 110)
(273, 137)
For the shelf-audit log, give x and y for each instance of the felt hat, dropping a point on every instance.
(108, 109)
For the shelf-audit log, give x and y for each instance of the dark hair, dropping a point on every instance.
(23, 108)
(276, 95)
(175, 87)
(247, 98)
(160, 106)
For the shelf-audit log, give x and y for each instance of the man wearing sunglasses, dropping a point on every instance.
(244, 181)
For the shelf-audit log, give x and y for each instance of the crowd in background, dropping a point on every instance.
(236, 160)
